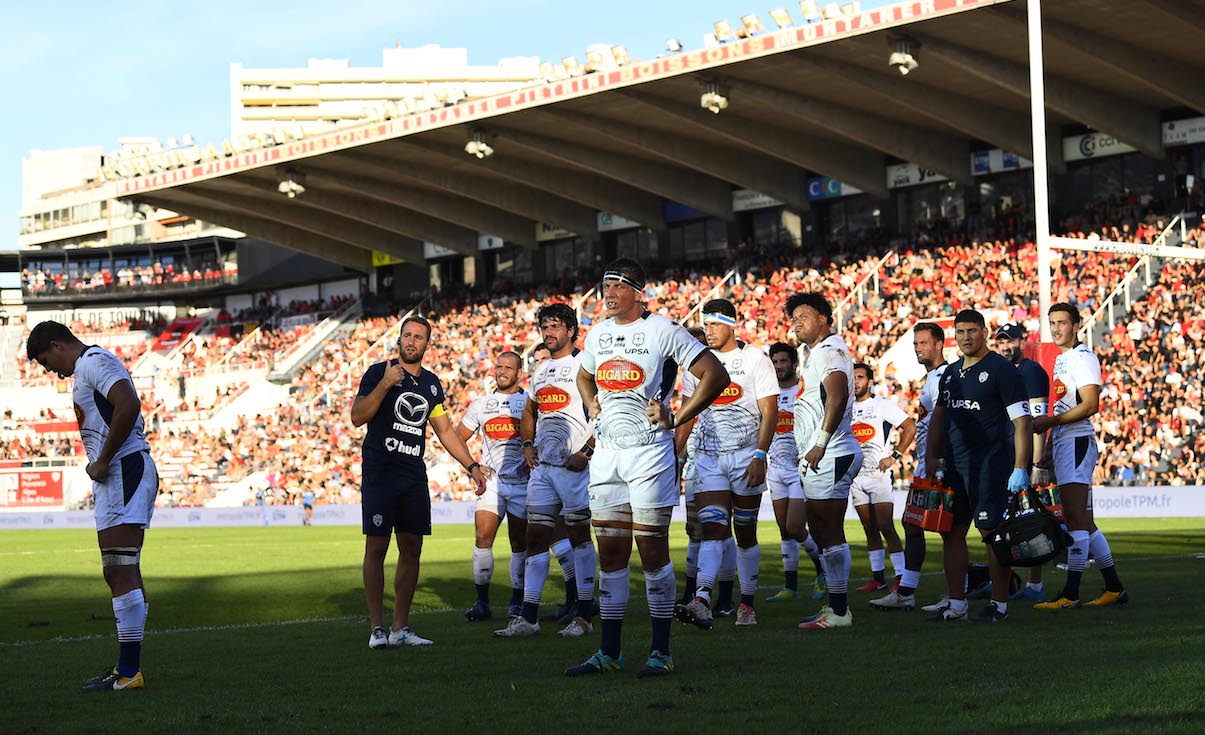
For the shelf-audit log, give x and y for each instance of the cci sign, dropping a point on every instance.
(1093, 145)
(826, 188)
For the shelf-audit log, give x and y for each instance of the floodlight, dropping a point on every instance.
(832, 11)
(477, 145)
(621, 55)
(903, 55)
(547, 71)
(752, 24)
(572, 68)
(781, 17)
(723, 31)
(594, 61)
(673, 45)
(292, 185)
(713, 99)
(810, 10)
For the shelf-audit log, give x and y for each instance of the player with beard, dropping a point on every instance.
(1010, 342)
(874, 418)
(495, 417)
(829, 455)
(397, 399)
(981, 426)
(732, 453)
(558, 445)
(1077, 382)
(628, 370)
(782, 478)
(928, 342)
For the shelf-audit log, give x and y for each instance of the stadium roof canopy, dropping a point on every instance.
(804, 101)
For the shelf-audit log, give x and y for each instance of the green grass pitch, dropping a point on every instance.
(264, 630)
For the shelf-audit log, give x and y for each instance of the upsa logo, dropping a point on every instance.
(786, 423)
(502, 428)
(731, 394)
(619, 375)
(1060, 389)
(550, 398)
(862, 432)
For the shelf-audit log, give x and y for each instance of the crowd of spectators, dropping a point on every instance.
(127, 278)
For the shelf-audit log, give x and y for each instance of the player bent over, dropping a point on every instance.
(1077, 382)
(628, 368)
(124, 481)
(874, 418)
(496, 418)
(829, 456)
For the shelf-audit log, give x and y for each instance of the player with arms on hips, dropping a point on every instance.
(397, 399)
(782, 478)
(731, 455)
(981, 426)
(495, 417)
(1010, 342)
(628, 369)
(124, 481)
(1077, 382)
(829, 455)
(557, 446)
(873, 419)
(928, 342)
(684, 448)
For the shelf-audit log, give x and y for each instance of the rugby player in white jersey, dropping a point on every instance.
(873, 420)
(558, 445)
(684, 447)
(782, 478)
(628, 369)
(732, 454)
(928, 342)
(124, 481)
(829, 455)
(495, 417)
(1077, 382)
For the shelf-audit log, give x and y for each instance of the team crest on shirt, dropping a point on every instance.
(617, 375)
(983, 376)
(638, 339)
(736, 364)
(434, 391)
(565, 369)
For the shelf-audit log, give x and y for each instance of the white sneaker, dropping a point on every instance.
(938, 606)
(407, 637)
(518, 628)
(378, 639)
(948, 615)
(576, 629)
(894, 601)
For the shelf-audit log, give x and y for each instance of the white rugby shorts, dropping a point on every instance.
(1075, 459)
(783, 482)
(643, 477)
(725, 471)
(556, 487)
(832, 480)
(874, 488)
(127, 496)
(503, 499)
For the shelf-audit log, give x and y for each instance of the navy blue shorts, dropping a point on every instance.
(395, 501)
(980, 485)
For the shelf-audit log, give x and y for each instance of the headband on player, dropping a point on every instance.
(625, 280)
(717, 318)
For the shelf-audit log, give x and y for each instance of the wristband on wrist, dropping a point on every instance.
(472, 467)
(528, 443)
(896, 455)
(587, 450)
(760, 454)
(673, 421)
(822, 438)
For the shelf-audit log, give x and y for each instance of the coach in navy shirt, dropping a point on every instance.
(397, 399)
(981, 430)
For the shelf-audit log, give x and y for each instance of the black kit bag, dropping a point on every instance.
(1028, 537)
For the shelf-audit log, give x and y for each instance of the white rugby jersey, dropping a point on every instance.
(733, 419)
(783, 452)
(689, 383)
(496, 417)
(1073, 369)
(873, 420)
(828, 357)
(562, 424)
(928, 399)
(633, 364)
(96, 372)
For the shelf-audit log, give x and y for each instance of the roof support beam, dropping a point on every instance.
(1160, 73)
(705, 194)
(244, 199)
(849, 164)
(334, 251)
(446, 207)
(398, 220)
(980, 120)
(1126, 120)
(1181, 12)
(942, 153)
(521, 200)
(595, 192)
(768, 176)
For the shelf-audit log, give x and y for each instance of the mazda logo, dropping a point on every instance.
(411, 408)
